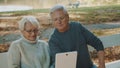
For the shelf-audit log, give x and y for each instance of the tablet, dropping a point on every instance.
(66, 60)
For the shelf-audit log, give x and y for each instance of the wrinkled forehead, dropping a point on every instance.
(58, 13)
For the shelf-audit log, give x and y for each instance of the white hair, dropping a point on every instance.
(58, 7)
(28, 19)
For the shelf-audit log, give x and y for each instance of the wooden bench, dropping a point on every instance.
(3, 60)
(108, 41)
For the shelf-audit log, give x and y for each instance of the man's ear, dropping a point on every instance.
(67, 16)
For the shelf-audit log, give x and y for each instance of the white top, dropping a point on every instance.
(24, 54)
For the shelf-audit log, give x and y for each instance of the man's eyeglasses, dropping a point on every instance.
(30, 31)
(60, 18)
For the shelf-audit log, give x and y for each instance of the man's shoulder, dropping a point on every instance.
(75, 23)
(54, 33)
(53, 37)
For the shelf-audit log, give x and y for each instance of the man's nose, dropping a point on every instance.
(59, 21)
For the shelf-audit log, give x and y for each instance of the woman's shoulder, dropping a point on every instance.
(16, 41)
(42, 42)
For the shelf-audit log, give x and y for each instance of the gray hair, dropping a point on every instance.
(58, 7)
(28, 19)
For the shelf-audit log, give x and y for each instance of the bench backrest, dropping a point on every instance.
(3, 60)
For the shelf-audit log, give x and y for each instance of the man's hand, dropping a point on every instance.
(101, 59)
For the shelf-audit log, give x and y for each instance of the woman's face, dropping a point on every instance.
(30, 31)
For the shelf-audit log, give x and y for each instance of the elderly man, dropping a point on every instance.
(72, 36)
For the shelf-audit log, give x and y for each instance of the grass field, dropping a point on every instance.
(97, 14)
(88, 15)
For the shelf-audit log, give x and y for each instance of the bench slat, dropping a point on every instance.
(3, 60)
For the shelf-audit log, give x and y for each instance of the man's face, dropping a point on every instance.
(60, 20)
(30, 32)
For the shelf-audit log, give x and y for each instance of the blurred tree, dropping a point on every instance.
(5, 1)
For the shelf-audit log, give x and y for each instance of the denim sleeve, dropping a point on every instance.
(91, 39)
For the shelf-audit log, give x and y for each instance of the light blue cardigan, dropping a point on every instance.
(25, 54)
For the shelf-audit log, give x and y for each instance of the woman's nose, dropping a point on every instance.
(33, 33)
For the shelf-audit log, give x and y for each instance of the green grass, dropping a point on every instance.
(96, 14)
(92, 9)
(87, 15)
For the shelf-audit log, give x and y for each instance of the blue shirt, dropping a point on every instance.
(76, 38)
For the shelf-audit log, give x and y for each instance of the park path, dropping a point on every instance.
(109, 25)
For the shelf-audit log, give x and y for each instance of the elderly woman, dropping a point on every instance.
(28, 51)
